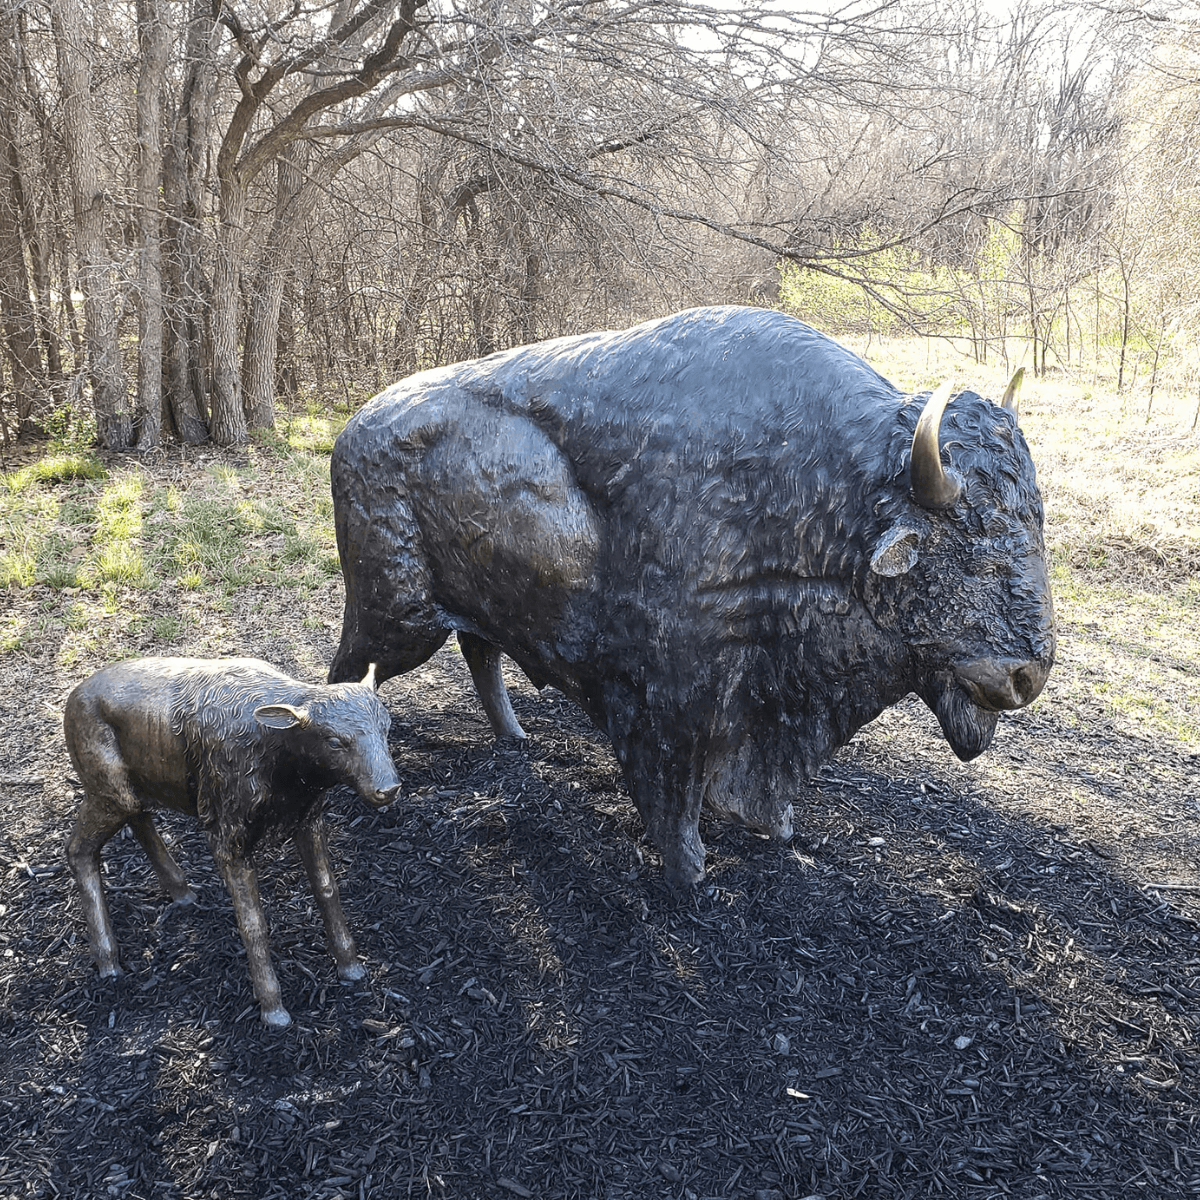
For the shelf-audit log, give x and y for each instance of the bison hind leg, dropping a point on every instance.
(483, 661)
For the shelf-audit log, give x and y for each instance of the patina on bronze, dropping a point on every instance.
(727, 537)
(246, 749)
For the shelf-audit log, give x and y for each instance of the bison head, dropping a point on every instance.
(958, 570)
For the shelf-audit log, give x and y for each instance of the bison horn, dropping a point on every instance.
(1010, 392)
(369, 677)
(932, 485)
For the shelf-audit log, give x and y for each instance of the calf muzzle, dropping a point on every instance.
(382, 797)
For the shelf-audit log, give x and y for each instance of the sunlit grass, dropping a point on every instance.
(313, 432)
(116, 552)
(57, 468)
(1130, 651)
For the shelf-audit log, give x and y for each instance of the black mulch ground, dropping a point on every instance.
(951, 984)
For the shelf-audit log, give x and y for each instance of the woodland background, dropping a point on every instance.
(210, 207)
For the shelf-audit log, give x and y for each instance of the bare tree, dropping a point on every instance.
(92, 204)
(154, 42)
(16, 307)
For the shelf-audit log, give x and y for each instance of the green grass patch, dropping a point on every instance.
(312, 432)
(1131, 652)
(57, 468)
(116, 550)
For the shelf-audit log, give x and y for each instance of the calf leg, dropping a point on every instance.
(483, 660)
(170, 877)
(94, 825)
(252, 925)
(314, 853)
(109, 802)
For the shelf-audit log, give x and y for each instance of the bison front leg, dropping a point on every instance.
(667, 786)
(252, 925)
(483, 661)
(391, 618)
(314, 853)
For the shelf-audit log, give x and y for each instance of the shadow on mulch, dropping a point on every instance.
(927, 993)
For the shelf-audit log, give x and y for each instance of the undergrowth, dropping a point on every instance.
(92, 556)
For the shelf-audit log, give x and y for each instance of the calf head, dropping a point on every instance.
(958, 571)
(343, 730)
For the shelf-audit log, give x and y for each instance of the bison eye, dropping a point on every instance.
(337, 743)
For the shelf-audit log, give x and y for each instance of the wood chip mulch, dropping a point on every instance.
(954, 982)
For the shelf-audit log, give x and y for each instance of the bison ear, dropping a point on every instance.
(896, 551)
(369, 678)
(281, 716)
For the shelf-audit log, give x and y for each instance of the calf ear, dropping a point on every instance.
(896, 552)
(281, 716)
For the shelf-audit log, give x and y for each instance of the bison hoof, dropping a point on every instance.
(784, 828)
(684, 874)
(277, 1018)
(352, 972)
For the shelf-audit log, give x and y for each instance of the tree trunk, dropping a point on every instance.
(110, 393)
(154, 41)
(1126, 320)
(16, 310)
(40, 242)
(185, 164)
(228, 425)
(292, 209)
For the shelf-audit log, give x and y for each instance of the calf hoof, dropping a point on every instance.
(352, 972)
(109, 970)
(277, 1018)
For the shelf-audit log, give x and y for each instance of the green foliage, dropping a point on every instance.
(899, 288)
(1008, 298)
(72, 431)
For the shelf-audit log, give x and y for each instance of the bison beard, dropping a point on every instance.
(969, 729)
(725, 536)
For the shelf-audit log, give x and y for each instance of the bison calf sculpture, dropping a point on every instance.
(245, 748)
(730, 540)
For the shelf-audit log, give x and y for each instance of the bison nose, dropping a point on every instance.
(999, 683)
(383, 796)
